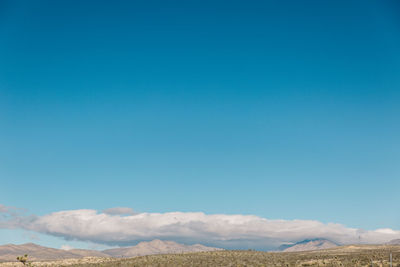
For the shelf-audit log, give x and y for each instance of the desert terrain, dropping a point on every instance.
(354, 255)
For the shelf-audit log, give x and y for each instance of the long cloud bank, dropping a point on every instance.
(228, 231)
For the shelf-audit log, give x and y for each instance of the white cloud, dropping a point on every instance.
(228, 231)
(119, 211)
(66, 247)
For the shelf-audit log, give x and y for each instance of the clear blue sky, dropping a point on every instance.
(281, 109)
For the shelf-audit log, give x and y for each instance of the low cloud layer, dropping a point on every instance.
(119, 211)
(228, 231)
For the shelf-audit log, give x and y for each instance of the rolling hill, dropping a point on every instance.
(156, 247)
(307, 245)
(10, 252)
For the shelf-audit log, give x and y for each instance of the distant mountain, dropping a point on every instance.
(88, 253)
(10, 252)
(285, 246)
(35, 252)
(306, 245)
(156, 247)
(393, 242)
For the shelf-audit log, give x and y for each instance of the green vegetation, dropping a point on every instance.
(24, 260)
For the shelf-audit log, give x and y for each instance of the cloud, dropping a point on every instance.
(119, 211)
(11, 211)
(3, 208)
(227, 231)
(11, 217)
(66, 247)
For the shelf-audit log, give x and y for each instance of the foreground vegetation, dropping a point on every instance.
(342, 256)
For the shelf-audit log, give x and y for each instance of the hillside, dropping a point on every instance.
(393, 242)
(307, 245)
(345, 256)
(10, 252)
(156, 247)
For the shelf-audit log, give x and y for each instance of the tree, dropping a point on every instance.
(24, 260)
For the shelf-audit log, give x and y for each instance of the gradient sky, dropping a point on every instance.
(280, 109)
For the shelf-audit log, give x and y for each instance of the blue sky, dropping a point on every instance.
(279, 109)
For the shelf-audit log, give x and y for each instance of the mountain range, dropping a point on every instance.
(9, 252)
(393, 242)
(318, 244)
(156, 247)
(307, 245)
